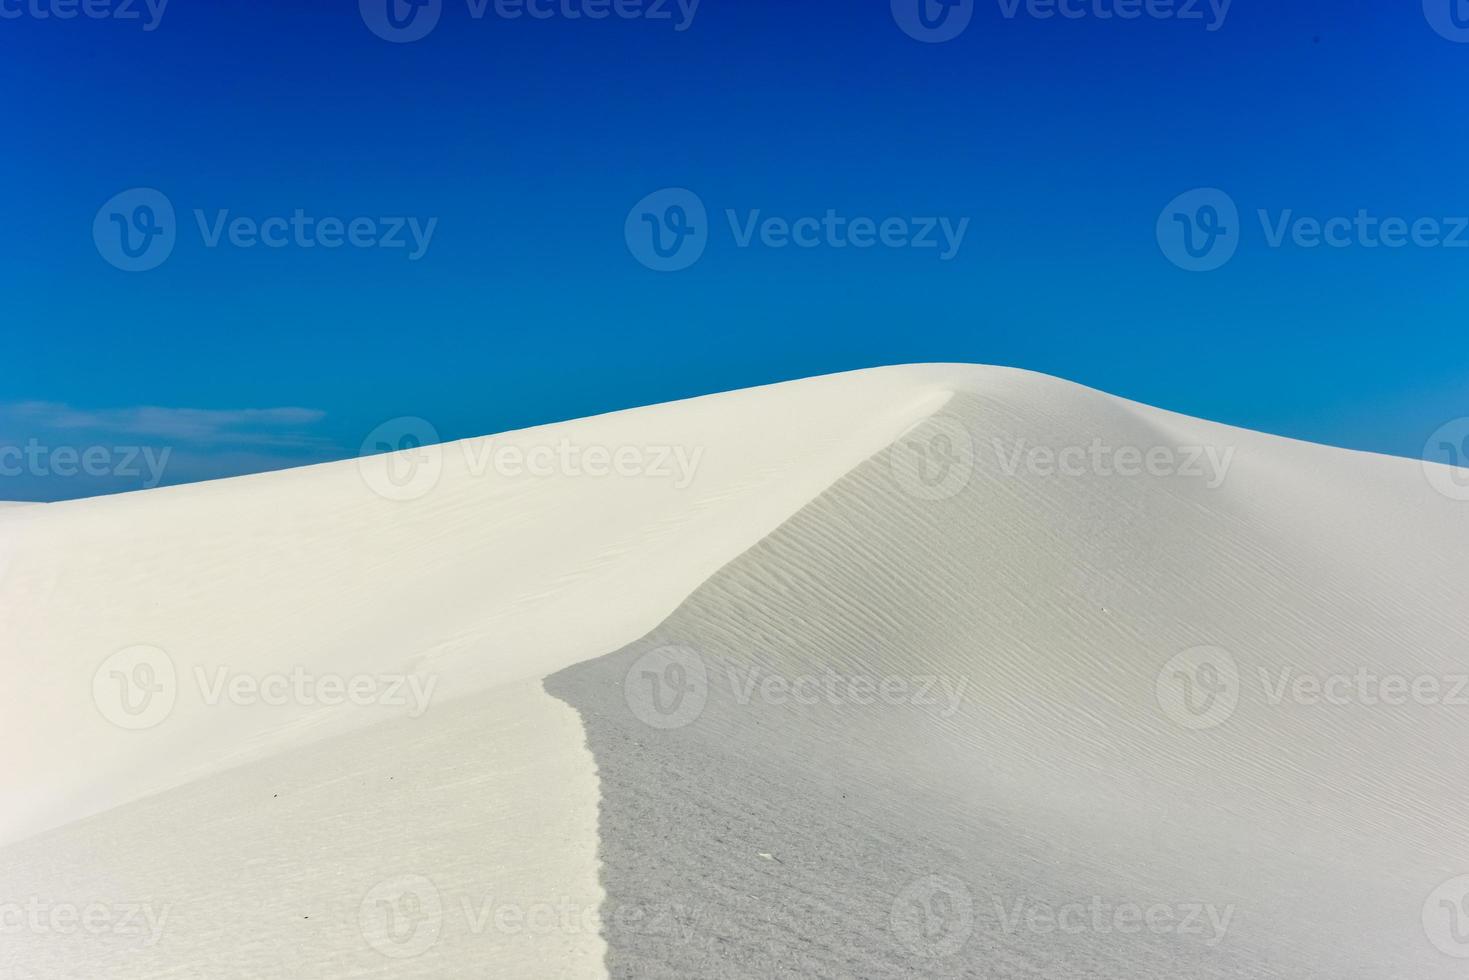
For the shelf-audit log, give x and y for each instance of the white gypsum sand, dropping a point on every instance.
(978, 704)
(483, 579)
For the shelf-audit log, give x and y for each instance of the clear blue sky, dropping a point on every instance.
(526, 141)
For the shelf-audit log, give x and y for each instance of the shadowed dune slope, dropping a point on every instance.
(944, 671)
(953, 720)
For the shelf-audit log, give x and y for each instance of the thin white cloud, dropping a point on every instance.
(276, 427)
(146, 446)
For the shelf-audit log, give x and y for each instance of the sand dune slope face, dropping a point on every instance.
(926, 671)
(459, 567)
(976, 712)
(442, 846)
(292, 724)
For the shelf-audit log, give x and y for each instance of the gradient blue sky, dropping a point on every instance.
(528, 140)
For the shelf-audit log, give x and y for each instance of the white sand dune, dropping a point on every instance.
(863, 687)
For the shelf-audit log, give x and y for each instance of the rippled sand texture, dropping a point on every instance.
(1071, 815)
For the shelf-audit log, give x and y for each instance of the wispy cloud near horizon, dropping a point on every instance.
(244, 426)
(58, 451)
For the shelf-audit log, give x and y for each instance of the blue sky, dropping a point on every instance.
(520, 146)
